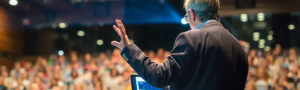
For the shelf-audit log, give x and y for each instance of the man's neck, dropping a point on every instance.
(196, 24)
(200, 24)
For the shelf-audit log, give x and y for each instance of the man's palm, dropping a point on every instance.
(120, 29)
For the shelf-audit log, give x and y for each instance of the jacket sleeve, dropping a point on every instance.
(159, 75)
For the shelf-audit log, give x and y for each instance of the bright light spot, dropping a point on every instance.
(183, 21)
(270, 37)
(60, 52)
(244, 17)
(292, 27)
(13, 2)
(256, 36)
(260, 16)
(261, 43)
(100, 42)
(80, 33)
(267, 48)
(62, 25)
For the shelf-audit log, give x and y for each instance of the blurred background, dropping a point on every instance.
(65, 44)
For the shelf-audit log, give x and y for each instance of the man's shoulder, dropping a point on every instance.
(193, 34)
(191, 37)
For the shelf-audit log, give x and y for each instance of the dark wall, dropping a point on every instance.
(49, 41)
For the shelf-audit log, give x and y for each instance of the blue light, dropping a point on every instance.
(183, 21)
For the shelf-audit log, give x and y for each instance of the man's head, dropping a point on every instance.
(199, 11)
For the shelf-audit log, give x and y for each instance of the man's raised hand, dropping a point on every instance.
(120, 29)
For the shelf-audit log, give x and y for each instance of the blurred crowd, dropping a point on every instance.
(102, 71)
(273, 70)
(278, 69)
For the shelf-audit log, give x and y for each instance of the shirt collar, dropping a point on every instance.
(202, 24)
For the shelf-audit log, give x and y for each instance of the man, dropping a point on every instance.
(207, 57)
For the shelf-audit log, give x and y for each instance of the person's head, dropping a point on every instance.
(4, 74)
(262, 74)
(102, 56)
(116, 52)
(3, 68)
(20, 80)
(292, 52)
(74, 56)
(87, 57)
(269, 56)
(28, 65)
(74, 73)
(151, 54)
(114, 72)
(25, 75)
(160, 53)
(17, 65)
(277, 50)
(54, 81)
(61, 58)
(93, 65)
(252, 53)
(199, 11)
(37, 80)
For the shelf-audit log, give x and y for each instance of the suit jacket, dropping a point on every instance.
(209, 58)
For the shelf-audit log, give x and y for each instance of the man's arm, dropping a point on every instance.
(158, 75)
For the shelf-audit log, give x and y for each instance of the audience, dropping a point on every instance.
(278, 69)
(104, 71)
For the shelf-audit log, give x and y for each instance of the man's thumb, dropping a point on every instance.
(116, 44)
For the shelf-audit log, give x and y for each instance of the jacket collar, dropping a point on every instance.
(212, 23)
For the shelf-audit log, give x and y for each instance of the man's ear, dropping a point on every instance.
(193, 16)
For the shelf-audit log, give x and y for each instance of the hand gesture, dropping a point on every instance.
(120, 29)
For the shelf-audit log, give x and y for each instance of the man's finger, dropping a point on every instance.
(118, 31)
(121, 26)
(116, 44)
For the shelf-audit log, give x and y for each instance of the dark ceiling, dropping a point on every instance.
(48, 13)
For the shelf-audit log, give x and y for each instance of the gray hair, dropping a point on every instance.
(204, 9)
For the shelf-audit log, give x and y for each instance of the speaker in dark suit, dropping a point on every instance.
(207, 57)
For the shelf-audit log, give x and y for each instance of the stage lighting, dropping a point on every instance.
(80, 33)
(13, 2)
(62, 25)
(183, 21)
(260, 17)
(60, 52)
(270, 37)
(291, 27)
(256, 36)
(100, 42)
(261, 43)
(244, 17)
(267, 48)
